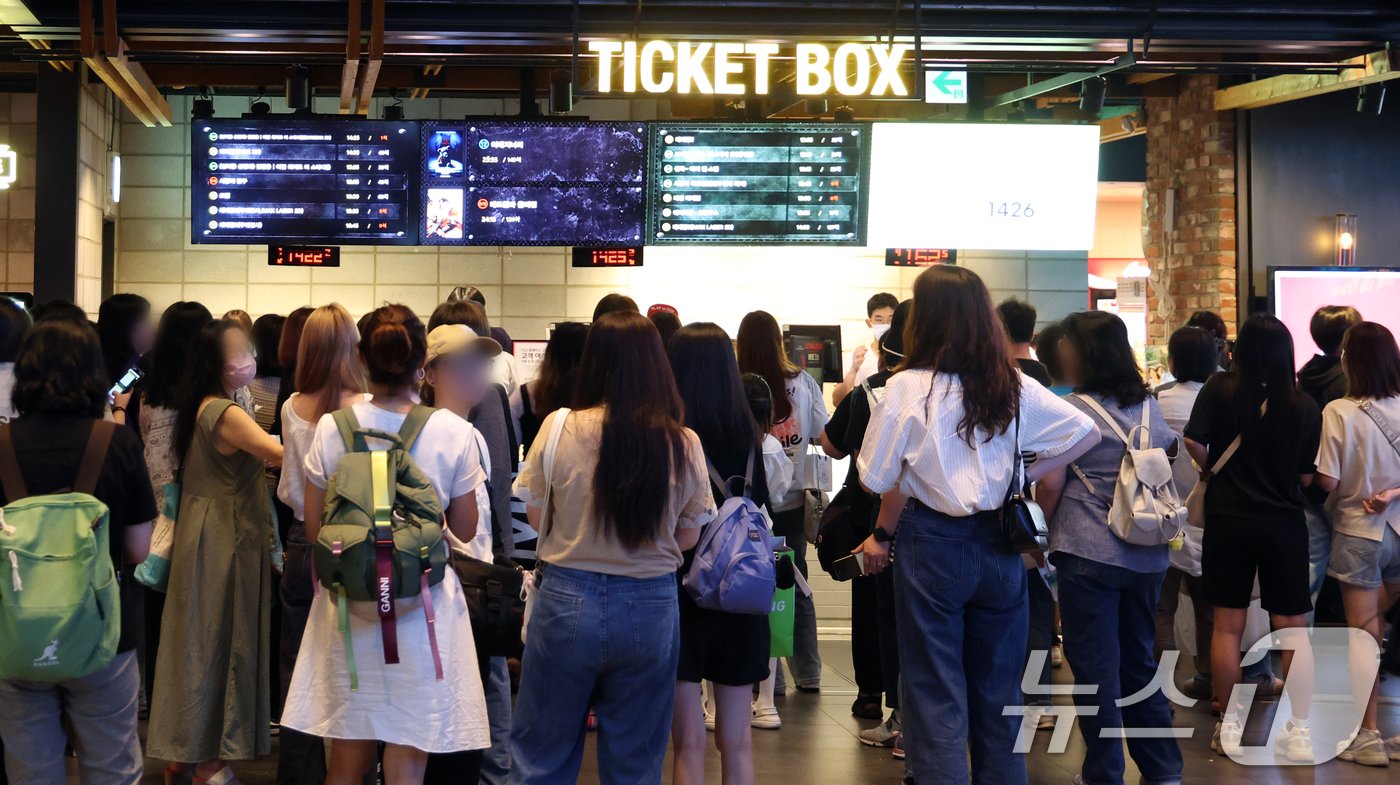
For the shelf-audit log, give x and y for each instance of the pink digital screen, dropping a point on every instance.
(1297, 293)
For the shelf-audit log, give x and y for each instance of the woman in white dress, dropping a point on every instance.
(404, 705)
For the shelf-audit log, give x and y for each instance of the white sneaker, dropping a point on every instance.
(1046, 719)
(1228, 737)
(1392, 747)
(882, 735)
(1294, 743)
(1366, 748)
(766, 717)
(709, 718)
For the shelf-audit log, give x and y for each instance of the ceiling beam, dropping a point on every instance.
(1123, 61)
(1358, 72)
(141, 86)
(370, 73)
(350, 71)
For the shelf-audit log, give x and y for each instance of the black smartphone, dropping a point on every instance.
(124, 384)
(848, 567)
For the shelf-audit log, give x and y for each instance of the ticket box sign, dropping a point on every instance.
(919, 257)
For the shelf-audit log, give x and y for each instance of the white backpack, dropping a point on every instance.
(1146, 508)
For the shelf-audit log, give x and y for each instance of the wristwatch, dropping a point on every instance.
(882, 536)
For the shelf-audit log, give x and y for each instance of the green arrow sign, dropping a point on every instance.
(945, 87)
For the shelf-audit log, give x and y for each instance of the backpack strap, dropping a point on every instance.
(94, 456)
(348, 424)
(551, 450)
(725, 485)
(10, 475)
(1234, 446)
(413, 425)
(1105, 416)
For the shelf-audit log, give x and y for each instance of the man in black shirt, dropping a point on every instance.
(873, 641)
(60, 392)
(1018, 319)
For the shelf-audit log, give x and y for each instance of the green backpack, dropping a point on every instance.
(381, 535)
(60, 609)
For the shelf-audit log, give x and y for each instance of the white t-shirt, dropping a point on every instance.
(296, 442)
(447, 450)
(806, 422)
(7, 387)
(1354, 451)
(913, 443)
(503, 372)
(777, 467)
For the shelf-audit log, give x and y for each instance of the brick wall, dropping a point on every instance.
(1191, 151)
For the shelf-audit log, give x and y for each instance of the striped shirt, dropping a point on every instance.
(913, 443)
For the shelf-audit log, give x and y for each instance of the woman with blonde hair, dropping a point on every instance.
(328, 377)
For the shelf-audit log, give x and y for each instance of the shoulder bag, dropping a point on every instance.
(1196, 500)
(494, 591)
(532, 580)
(1022, 520)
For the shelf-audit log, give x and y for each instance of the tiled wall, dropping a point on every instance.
(526, 288)
(94, 202)
(17, 123)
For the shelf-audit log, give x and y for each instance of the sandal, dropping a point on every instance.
(174, 776)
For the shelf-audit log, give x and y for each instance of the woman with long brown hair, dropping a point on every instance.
(799, 415)
(942, 450)
(617, 498)
(328, 377)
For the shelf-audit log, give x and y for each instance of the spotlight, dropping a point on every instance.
(561, 92)
(1370, 99)
(815, 107)
(260, 109)
(202, 108)
(1091, 94)
(844, 114)
(298, 87)
(393, 112)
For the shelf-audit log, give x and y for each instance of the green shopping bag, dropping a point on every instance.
(783, 617)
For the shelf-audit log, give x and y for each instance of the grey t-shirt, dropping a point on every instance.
(490, 418)
(1080, 525)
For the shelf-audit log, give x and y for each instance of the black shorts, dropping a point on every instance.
(1234, 549)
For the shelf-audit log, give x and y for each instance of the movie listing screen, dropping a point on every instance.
(533, 183)
(762, 184)
(333, 181)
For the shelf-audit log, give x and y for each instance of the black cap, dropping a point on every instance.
(892, 343)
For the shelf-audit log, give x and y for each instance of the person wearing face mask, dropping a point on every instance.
(211, 701)
(879, 310)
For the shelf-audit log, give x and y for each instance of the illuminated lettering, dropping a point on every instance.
(605, 51)
(690, 68)
(761, 53)
(650, 81)
(813, 78)
(851, 69)
(724, 68)
(629, 67)
(888, 59)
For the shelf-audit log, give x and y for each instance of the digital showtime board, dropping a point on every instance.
(533, 183)
(757, 184)
(322, 181)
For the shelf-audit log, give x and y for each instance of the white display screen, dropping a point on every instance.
(994, 187)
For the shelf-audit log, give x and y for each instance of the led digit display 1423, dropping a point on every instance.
(303, 256)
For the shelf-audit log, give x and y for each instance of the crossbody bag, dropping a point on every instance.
(1196, 500)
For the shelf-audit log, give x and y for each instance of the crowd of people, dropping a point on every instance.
(232, 474)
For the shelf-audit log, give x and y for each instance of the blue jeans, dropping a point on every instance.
(1040, 634)
(1108, 615)
(960, 597)
(604, 639)
(495, 765)
(1319, 550)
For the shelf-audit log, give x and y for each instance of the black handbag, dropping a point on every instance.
(845, 525)
(495, 603)
(1022, 520)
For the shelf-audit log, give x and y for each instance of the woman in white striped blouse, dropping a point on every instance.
(940, 449)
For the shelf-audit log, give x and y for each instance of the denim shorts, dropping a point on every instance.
(1357, 561)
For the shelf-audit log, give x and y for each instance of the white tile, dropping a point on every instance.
(520, 266)
(154, 170)
(153, 235)
(532, 300)
(211, 266)
(161, 295)
(218, 297)
(22, 203)
(405, 268)
(19, 267)
(277, 298)
(491, 293)
(534, 328)
(422, 299)
(356, 266)
(358, 299)
(469, 267)
(24, 108)
(579, 301)
(153, 202)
